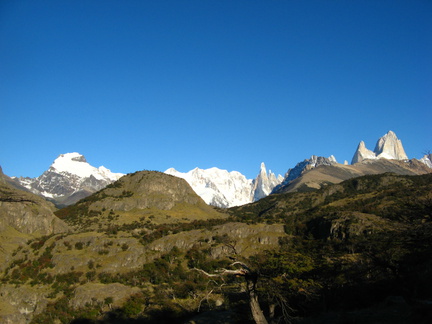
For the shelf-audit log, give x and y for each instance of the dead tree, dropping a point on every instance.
(251, 278)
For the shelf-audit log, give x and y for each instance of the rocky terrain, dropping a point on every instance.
(128, 252)
(23, 215)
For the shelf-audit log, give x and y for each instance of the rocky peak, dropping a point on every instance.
(301, 167)
(264, 183)
(387, 147)
(362, 153)
(390, 147)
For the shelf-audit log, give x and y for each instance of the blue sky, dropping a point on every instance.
(136, 85)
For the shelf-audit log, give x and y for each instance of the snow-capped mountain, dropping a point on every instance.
(69, 178)
(222, 188)
(387, 147)
(264, 184)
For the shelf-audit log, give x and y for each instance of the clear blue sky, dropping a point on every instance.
(136, 85)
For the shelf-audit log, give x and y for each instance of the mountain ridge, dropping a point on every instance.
(224, 189)
(70, 177)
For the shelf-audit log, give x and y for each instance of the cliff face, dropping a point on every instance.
(23, 216)
(27, 213)
(387, 147)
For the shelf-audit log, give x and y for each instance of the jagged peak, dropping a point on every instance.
(361, 145)
(390, 147)
(263, 169)
(387, 147)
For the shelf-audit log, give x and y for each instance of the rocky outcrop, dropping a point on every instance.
(27, 213)
(21, 303)
(343, 226)
(247, 239)
(90, 293)
(116, 254)
(23, 215)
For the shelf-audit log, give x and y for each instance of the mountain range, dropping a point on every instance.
(71, 178)
(227, 189)
(148, 248)
(140, 250)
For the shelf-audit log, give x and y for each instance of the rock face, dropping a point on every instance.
(387, 147)
(68, 179)
(224, 189)
(23, 215)
(264, 184)
(301, 167)
(390, 147)
(26, 212)
(362, 153)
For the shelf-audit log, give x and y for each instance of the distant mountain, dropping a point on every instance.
(301, 167)
(427, 159)
(227, 189)
(387, 147)
(69, 179)
(264, 183)
(388, 156)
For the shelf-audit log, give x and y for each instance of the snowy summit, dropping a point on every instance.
(75, 163)
(222, 188)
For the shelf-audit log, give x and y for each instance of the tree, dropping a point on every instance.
(251, 278)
